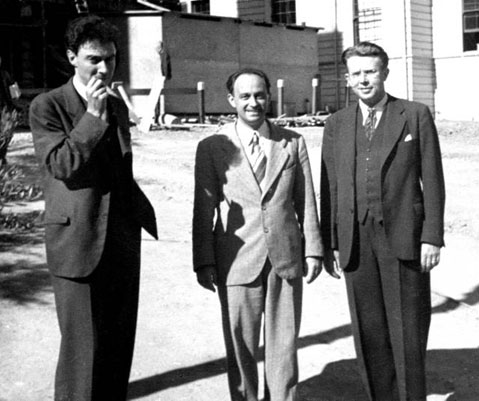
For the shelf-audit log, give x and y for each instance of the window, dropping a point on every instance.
(283, 11)
(367, 20)
(200, 6)
(470, 24)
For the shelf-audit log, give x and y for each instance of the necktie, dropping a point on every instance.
(258, 158)
(370, 124)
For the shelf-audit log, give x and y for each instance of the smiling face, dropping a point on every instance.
(250, 98)
(366, 76)
(94, 59)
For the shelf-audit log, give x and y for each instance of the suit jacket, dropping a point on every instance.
(71, 147)
(236, 226)
(412, 181)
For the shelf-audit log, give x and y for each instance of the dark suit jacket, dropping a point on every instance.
(71, 147)
(236, 226)
(412, 181)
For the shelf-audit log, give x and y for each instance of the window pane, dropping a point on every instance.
(471, 5)
(471, 22)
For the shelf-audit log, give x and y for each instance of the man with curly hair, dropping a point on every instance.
(94, 212)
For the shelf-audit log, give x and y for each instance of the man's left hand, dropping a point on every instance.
(312, 267)
(430, 257)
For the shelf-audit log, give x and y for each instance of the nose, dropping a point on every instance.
(102, 67)
(252, 101)
(364, 76)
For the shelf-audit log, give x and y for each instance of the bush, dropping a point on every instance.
(8, 122)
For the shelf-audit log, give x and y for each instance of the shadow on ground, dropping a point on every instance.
(448, 305)
(450, 371)
(181, 376)
(22, 278)
(23, 282)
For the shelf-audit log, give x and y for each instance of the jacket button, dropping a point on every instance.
(266, 230)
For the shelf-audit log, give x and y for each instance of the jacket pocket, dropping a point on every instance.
(56, 219)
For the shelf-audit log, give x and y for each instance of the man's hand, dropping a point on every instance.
(311, 268)
(331, 263)
(96, 95)
(206, 276)
(430, 257)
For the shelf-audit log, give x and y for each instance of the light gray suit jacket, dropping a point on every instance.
(236, 226)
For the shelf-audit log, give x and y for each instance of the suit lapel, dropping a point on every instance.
(74, 104)
(277, 158)
(235, 160)
(347, 138)
(395, 120)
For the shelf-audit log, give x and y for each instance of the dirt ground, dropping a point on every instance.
(179, 351)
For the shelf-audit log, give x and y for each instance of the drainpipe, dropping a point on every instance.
(44, 43)
(406, 51)
(336, 48)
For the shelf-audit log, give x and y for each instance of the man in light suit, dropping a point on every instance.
(382, 215)
(94, 212)
(255, 234)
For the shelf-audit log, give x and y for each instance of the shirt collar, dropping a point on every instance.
(379, 106)
(245, 132)
(79, 87)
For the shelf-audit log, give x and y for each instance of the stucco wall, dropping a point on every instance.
(208, 49)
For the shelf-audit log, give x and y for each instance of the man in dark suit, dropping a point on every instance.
(382, 213)
(255, 234)
(94, 212)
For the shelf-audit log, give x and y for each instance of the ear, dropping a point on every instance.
(231, 100)
(72, 58)
(385, 73)
(346, 78)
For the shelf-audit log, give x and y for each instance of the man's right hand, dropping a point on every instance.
(206, 276)
(331, 263)
(96, 95)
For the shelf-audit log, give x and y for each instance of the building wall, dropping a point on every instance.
(456, 70)
(209, 49)
(252, 10)
(336, 19)
(224, 8)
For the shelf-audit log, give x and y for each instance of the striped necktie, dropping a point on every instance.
(370, 124)
(258, 158)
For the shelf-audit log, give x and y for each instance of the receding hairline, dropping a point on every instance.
(230, 83)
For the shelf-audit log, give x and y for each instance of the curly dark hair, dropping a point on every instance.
(230, 83)
(88, 29)
(366, 49)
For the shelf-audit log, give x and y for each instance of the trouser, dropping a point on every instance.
(243, 306)
(97, 318)
(390, 307)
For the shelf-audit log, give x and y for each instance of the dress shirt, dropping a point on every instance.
(245, 135)
(378, 107)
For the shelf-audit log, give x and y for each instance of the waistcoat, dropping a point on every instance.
(368, 173)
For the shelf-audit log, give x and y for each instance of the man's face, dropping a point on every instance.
(94, 59)
(250, 98)
(366, 77)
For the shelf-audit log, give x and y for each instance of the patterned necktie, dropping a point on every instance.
(370, 124)
(258, 158)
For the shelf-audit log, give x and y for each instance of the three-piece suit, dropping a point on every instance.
(94, 212)
(380, 201)
(257, 240)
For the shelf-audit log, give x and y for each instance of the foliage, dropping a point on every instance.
(14, 189)
(8, 121)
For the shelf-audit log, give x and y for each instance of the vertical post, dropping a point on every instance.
(314, 96)
(280, 86)
(347, 95)
(201, 101)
